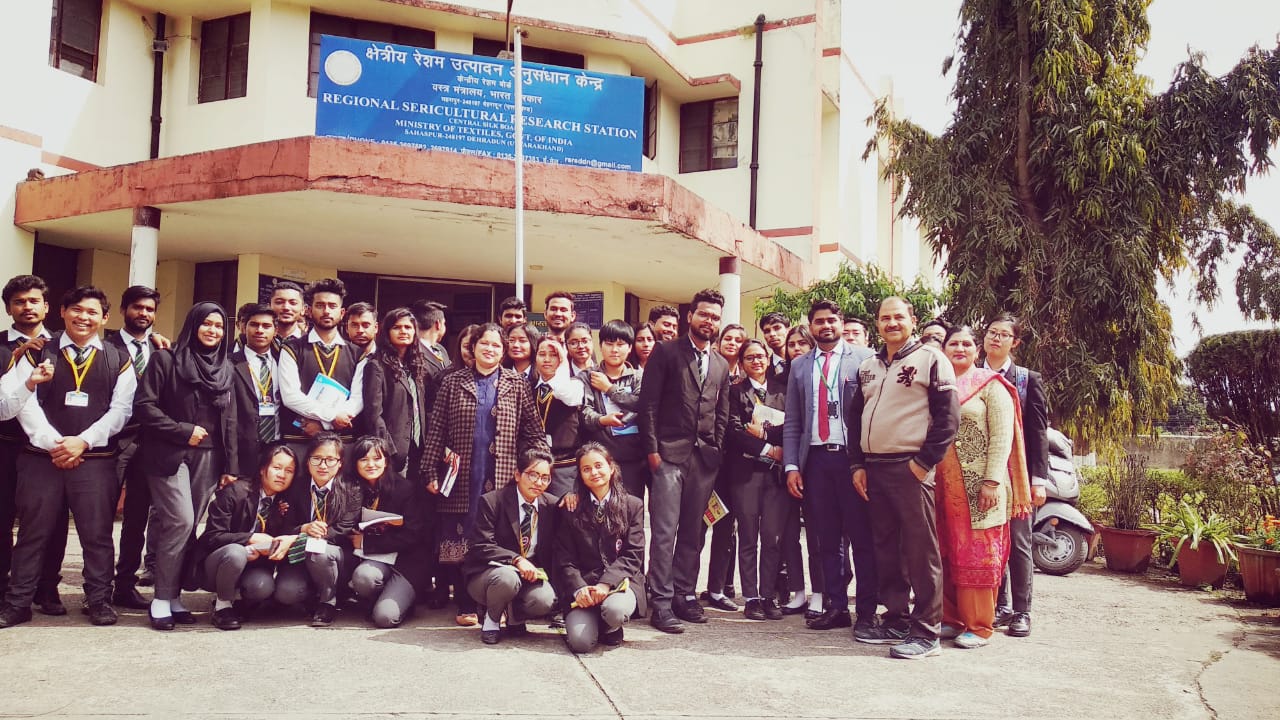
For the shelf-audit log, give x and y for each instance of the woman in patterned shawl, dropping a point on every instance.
(982, 482)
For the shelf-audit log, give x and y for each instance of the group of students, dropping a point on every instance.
(355, 462)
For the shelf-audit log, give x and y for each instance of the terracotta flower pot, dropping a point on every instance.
(1260, 571)
(1127, 550)
(1201, 566)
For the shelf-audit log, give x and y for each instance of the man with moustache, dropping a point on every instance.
(26, 300)
(288, 302)
(256, 385)
(138, 304)
(303, 362)
(362, 326)
(774, 327)
(511, 312)
(684, 411)
(815, 457)
(902, 418)
(560, 315)
(665, 321)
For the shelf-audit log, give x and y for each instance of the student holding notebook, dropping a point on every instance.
(383, 545)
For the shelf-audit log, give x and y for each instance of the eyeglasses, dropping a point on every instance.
(580, 342)
(324, 461)
(997, 335)
(538, 478)
(754, 358)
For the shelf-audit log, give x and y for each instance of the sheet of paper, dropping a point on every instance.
(317, 545)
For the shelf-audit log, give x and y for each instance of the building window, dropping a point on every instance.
(709, 135)
(224, 58)
(322, 24)
(651, 119)
(530, 53)
(73, 37)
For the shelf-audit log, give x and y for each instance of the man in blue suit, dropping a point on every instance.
(815, 456)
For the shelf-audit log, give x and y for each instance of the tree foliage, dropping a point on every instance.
(858, 290)
(1064, 190)
(1238, 375)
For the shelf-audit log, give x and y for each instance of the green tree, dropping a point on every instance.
(1064, 190)
(1238, 374)
(858, 290)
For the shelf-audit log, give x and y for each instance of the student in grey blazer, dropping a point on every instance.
(815, 458)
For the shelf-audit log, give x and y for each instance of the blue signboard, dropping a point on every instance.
(465, 103)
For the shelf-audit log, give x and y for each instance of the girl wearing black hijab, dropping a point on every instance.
(186, 412)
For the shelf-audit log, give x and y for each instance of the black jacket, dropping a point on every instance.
(495, 536)
(586, 556)
(245, 388)
(625, 393)
(342, 506)
(395, 495)
(233, 519)
(677, 416)
(167, 409)
(388, 409)
(743, 449)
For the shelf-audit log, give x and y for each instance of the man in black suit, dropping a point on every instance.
(26, 300)
(255, 386)
(511, 547)
(138, 304)
(431, 331)
(1013, 603)
(684, 410)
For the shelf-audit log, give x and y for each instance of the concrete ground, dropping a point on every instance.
(1104, 646)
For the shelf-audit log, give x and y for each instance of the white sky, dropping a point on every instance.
(1222, 30)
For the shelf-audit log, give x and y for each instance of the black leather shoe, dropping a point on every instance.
(771, 610)
(163, 624)
(1003, 617)
(226, 619)
(517, 630)
(754, 610)
(129, 597)
(1019, 625)
(721, 603)
(613, 638)
(323, 615)
(490, 637)
(666, 621)
(11, 615)
(50, 605)
(147, 578)
(788, 610)
(101, 614)
(184, 617)
(811, 614)
(688, 610)
(831, 619)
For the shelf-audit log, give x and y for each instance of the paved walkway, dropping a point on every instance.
(1104, 646)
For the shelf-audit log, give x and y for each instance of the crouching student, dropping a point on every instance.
(383, 548)
(246, 538)
(511, 551)
(600, 554)
(328, 509)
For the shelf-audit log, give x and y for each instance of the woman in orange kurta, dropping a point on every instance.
(982, 482)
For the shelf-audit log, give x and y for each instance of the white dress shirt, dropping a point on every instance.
(44, 436)
(295, 399)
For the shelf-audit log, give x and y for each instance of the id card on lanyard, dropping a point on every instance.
(832, 383)
(78, 398)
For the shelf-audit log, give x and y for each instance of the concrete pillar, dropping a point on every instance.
(731, 289)
(145, 248)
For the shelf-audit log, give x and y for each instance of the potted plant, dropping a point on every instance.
(1259, 553)
(1126, 542)
(1201, 545)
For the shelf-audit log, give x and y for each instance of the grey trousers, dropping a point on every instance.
(43, 493)
(760, 503)
(1019, 574)
(582, 625)
(678, 496)
(227, 571)
(502, 588)
(176, 501)
(390, 592)
(563, 480)
(317, 575)
(905, 532)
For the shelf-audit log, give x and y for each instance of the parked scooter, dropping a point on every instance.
(1061, 533)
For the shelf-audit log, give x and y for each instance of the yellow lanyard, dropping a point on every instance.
(264, 387)
(533, 532)
(332, 364)
(79, 372)
(374, 506)
(546, 406)
(262, 523)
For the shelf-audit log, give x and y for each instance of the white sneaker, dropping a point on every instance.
(969, 641)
